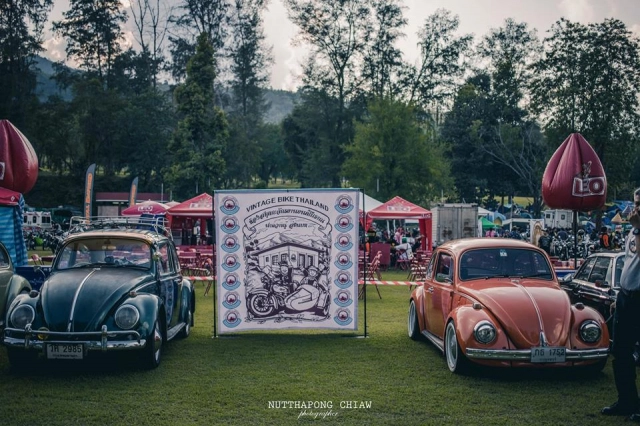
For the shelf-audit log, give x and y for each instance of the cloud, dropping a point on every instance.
(578, 10)
(55, 49)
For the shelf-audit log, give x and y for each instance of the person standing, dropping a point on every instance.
(626, 325)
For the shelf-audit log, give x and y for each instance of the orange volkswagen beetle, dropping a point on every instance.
(497, 302)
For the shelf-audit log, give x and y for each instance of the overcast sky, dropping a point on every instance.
(476, 16)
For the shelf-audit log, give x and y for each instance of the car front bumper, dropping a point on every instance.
(525, 354)
(102, 340)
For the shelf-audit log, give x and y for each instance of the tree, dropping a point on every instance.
(588, 82)
(249, 76)
(382, 59)
(396, 153)
(509, 52)
(200, 138)
(337, 32)
(433, 80)
(208, 17)
(21, 26)
(150, 18)
(93, 32)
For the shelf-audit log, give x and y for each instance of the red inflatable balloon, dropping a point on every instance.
(18, 160)
(574, 178)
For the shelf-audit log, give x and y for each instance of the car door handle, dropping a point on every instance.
(430, 289)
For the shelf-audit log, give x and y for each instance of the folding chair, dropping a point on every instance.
(371, 273)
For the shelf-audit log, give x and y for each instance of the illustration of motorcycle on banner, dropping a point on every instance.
(282, 294)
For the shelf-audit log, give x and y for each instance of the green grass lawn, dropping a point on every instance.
(231, 380)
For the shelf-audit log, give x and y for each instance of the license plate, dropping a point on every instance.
(548, 354)
(65, 351)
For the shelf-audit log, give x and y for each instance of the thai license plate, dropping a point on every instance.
(65, 351)
(548, 354)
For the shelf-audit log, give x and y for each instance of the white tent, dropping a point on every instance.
(482, 212)
(368, 203)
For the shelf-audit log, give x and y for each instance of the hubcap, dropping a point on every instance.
(412, 314)
(157, 343)
(452, 347)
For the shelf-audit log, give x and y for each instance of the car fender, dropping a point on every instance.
(581, 313)
(188, 298)
(17, 285)
(466, 317)
(418, 298)
(149, 306)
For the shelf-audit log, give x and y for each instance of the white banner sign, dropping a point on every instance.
(287, 259)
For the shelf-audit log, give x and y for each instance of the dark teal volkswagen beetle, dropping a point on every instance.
(112, 287)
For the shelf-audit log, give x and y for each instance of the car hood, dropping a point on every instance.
(85, 296)
(525, 308)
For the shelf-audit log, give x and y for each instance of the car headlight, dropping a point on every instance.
(484, 332)
(127, 316)
(590, 331)
(22, 315)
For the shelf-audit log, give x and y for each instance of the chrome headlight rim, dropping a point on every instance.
(127, 317)
(485, 332)
(590, 331)
(22, 322)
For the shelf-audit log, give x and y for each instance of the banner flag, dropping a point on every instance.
(287, 259)
(88, 190)
(133, 192)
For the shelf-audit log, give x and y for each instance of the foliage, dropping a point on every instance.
(21, 26)
(433, 80)
(246, 113)
(93, 34)
(200, 138)
(382, 60)
(589, 82)
(395, 154)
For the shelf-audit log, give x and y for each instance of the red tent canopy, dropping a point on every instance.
(399, 208)
(200, 206)
(148, 207)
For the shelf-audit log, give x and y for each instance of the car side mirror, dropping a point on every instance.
(602, 284)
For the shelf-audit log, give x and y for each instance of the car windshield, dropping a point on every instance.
(105, 251)
(503, 262)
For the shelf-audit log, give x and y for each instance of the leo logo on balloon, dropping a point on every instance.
(588, 187)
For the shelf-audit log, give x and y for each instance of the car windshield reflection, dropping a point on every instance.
(504, 262)
(104, 252)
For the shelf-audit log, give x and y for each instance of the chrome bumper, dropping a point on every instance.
(525, 354)
(92, 341)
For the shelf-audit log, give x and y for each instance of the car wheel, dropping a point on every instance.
(456, 360)
(413, 325)
(153, 349)
(186, 330)
(21, 359)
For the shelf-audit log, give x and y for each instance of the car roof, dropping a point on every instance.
(606, 254)
(463, 244)
(148, 236)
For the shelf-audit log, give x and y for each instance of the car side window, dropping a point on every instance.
(600, 268)
(444, 268)
(583, 273)
(164, 265)
(430, 267)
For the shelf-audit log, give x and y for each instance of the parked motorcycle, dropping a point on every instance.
(294, 298)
